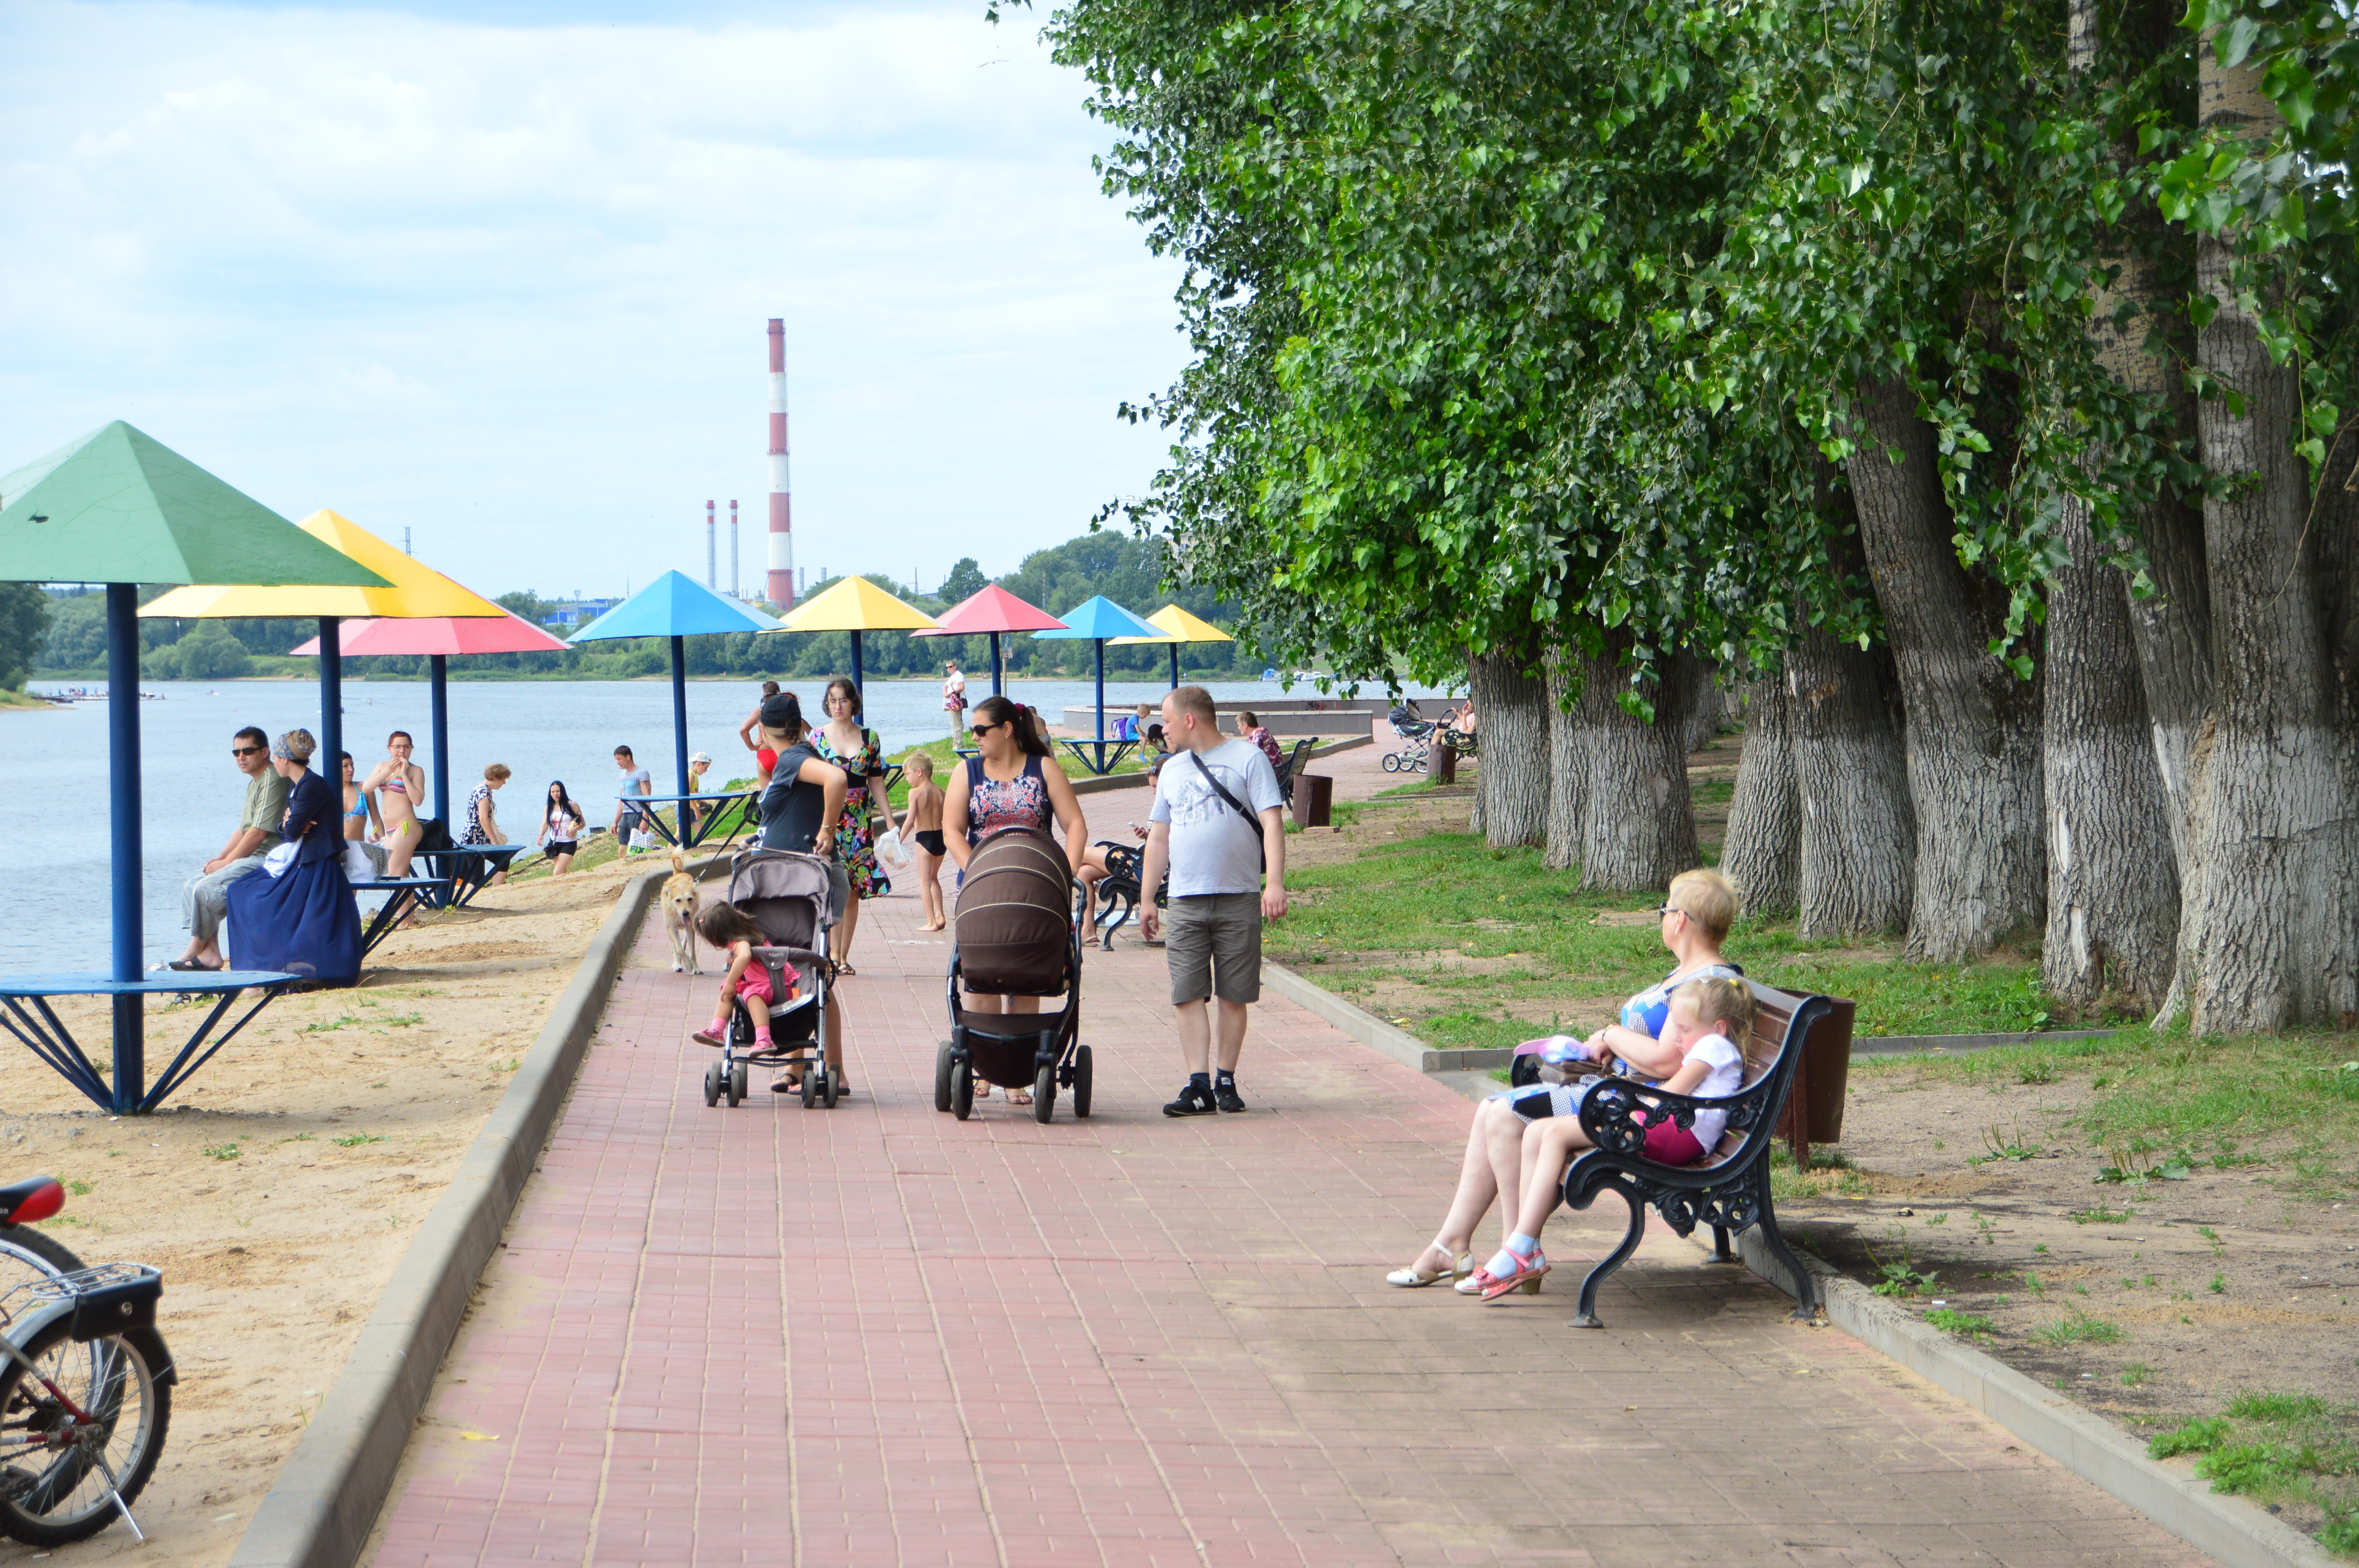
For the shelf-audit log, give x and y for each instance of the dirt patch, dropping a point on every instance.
(279, 1191)
(2142, 1301)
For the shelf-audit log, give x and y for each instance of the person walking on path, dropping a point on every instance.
(860, 755)
(206, 895)
(954, 698)
(1013, 782)
(804, 800)
(560, 829)
(635, 782)
(1216, 825)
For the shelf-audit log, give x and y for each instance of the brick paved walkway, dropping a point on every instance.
(878, 1335)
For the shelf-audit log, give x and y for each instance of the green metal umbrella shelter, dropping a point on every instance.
(120, 508)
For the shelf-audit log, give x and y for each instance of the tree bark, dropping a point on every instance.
(1638, 823)
(1851, 764)
(1512, 775)
(1569, 738)
(1973, 725)
(1762, 852)
(1706, 703)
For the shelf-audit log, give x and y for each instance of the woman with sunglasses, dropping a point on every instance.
(1693, 922)
(1014, 783)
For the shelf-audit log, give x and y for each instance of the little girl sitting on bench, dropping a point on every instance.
(1708, 1023)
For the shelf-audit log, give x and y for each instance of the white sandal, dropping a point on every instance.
(1416, 1276)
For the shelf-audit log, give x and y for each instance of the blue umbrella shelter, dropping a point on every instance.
(120, 508)
(1099, 620)
(677, 607)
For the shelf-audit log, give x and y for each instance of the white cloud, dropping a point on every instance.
(506, 285)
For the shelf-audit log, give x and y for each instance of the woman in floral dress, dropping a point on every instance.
(862, 757)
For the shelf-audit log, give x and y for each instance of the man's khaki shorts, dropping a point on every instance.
(1213, 941)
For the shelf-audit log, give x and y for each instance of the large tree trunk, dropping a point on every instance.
(1706, 703)
(1973, 725)
(1638, 824)
(1570, 741)
(2263, 942)
(1512, 775)
(1850, 763)
(1762, 852)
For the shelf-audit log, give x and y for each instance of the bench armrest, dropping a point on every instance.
(1619, 1112)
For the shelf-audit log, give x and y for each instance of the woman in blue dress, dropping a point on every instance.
(1695, 917)
(301, 919)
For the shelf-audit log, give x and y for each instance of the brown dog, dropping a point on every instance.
(680, 907)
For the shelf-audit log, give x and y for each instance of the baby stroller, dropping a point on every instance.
(1015, 935)
(786, 895)
(1417, 741)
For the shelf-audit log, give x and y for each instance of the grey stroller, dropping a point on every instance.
(786, 895)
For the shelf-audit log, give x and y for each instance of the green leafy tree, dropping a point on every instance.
(964, 581)
(209, 652)
(24, 625)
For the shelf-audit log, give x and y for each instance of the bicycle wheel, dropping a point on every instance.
(26, 1255)
(54, 1468)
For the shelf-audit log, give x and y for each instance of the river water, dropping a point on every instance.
(53, 771)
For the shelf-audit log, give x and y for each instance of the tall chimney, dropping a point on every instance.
(734, 578)
(709, 534)
(782, 539)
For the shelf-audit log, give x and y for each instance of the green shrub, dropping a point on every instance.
(2276, 1407)
(2195, 1437)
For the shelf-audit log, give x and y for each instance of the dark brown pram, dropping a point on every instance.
(786, 895)
(1014, 934)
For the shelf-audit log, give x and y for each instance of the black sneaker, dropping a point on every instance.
(1192, 1101)
(1225, 1096)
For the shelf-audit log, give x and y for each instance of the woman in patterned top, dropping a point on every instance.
(482, 823)
(1014, 783)
(862, 757)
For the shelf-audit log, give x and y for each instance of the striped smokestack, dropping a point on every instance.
(782, 541)
(734, 578)
(711, 533)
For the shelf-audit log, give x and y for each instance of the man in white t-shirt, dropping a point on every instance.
(1216, 823)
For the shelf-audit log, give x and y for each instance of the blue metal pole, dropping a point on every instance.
(1175, 666)
(1099, 644)
(857, 685)
(331, 689)
(998, 671)
(123, 804)
(680, 715)
(438, 717)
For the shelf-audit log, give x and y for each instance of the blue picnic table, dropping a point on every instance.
(702, 824)
(1101, 763)
(28, 1016)
(468, 869)
(406, 891)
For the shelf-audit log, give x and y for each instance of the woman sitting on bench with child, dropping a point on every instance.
(1504, 1147)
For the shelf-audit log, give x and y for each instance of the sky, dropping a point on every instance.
(499, 273)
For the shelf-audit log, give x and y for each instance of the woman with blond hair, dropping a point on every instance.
(1692, 922)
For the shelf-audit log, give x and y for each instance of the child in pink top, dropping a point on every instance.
(728, 928)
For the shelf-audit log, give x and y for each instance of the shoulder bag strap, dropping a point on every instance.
(1235, 804)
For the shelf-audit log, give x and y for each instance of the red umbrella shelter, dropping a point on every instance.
(438, 637)
(992, 612)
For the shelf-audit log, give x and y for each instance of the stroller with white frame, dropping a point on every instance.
(787, 895)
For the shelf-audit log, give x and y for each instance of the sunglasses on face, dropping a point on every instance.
(1669, 909)
(985, 729)
(245, 750)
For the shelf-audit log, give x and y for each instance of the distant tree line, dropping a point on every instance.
(67, 629)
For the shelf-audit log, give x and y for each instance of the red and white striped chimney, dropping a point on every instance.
(782, 540)
(734, 578)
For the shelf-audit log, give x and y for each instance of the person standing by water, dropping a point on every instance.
(301, 920)
(1013, 782)
(635, 782)
(206, 895)
(1216, 824)
(954, 698)
(860, 755)
(798, 812)
(561, 827)
(395, 787)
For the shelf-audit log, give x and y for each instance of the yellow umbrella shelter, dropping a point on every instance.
(413, 591)
(857, 605)
(1178, 627)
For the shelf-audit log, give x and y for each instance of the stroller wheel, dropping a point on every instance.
(1044, 1094)
(811, 1083)
(738, 1084)
(943, 1077)
(830, 1088)
(1081, 1081)
(962, 1090)
(712, 1085)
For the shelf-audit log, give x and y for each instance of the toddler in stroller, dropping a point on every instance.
(779, 1000)
(1016, 940)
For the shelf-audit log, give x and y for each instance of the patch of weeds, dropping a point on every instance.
(1937, 1219)
(297, 1138)
(357, 1139)
(2101, 1215)
(2003, 1145)
(2256, 1467)
(2039, 1246)
(1985, 1228)
(2035, 1073)
(329, 1025)
(1901, 1277)
(2195, 1437)
(2134, 1375)
(402, 1020)
(79, 1189)
(2129, 1164)
(2077, 1327)
(2218, 1284)
(380, 1083)
(222, 1152)
(2276, 1407)
(2031, 1282)
(509, 1066)
(2218, 1246)
(1964, 1324)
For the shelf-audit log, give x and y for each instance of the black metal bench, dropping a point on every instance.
(1729, 1188)
(1285, 768)
(1125, 863)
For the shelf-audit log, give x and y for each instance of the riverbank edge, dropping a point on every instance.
(320, 1508)
(2089, 1445)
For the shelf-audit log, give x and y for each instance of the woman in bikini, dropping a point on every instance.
(395, 787)
(361, 823)
(1014, 783)
(751, 731)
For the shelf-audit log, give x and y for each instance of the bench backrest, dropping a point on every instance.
(1773, 1043)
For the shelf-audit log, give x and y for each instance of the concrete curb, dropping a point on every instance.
(2087, 1444)
(1136, 781)
(319, 1512)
